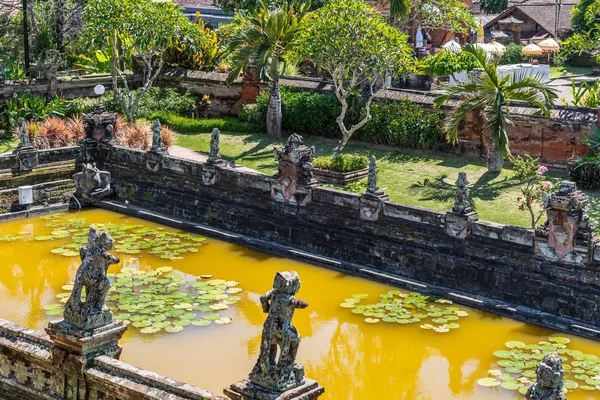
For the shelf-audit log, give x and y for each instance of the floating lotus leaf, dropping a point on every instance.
(426, 326)
(452, 326)
(360, 295)
(212, 316)
(371, 320)
(49, 307)
(174, 328)
(44, 237)
(441, 329)
(67, 287)
(55, 313)
(520, 363)
(201, 322)
(150, 329)
(586, 387)
(488, 382)
(439, 320)
(348, 305)
(141, 324)
(223, 321)
(234, 290)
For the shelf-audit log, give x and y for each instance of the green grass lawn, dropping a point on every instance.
(569, 71)
(413, 178)
(7, 145)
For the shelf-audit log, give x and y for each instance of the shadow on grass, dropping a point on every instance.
(7, 145)
(440, 189)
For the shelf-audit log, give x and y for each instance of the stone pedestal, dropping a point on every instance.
(246, 390)
(294, 180)
(460, 225)
(288, 191)
(74, 350)
(372, 205)
(27, 158)
(209, 175)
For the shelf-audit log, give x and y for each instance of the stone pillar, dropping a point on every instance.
(99, 130)
(282, 378)
(567, 234)
(87, 330)
(459, 222)
(250, 89)
(294, 180)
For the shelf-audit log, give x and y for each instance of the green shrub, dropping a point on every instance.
(190, 125)
(403, 124)
(31, 107)
(394, 123)
(446, 62)
(343, 163)
(513, 55)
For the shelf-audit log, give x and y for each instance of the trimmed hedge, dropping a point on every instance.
(343, 163)
(191, 125)
(395, 123)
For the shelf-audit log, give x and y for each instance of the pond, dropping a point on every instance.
(351, 358)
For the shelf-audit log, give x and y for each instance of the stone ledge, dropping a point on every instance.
(246, 390)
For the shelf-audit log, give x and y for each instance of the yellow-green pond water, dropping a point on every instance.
(351, 358)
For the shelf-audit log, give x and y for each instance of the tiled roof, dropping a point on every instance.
(543, 12)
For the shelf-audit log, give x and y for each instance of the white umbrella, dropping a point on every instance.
(419, 38)
(496, 48)
(531, 50)
(453, 46)
(549, 45)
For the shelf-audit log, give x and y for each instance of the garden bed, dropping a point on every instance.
(339, 178)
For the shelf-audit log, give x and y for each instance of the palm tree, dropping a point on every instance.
(260, 43)
(492, 95)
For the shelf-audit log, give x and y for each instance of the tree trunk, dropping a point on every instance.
(495, 161)
(274, 110)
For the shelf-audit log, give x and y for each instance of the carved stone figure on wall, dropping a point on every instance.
(214, 156)
(285, 373)
(550, 379)
(91, 183)
(157, 140)
(95, 260)
(26, 155)
(462, 201)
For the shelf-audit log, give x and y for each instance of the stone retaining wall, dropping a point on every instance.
(28, 370)
(51, 180)
(496, 261)
(555, 141)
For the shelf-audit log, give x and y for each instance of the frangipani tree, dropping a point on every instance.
(492, 95)
(142, 29)
(359, 49)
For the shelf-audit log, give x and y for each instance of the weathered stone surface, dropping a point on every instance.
(550, 379)
(568, 234)
(95, 260)
(246, 390)
(294, 180)
(408, 241)
(279, 336)
(214, 157)
(91, 183)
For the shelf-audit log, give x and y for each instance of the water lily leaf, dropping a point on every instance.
(511, 385)
(67, 287)
(43, 237)
(560, 340)
(141, 324)
(488, 382)
(360, 295)
(55, 313)
(223, 321)
(201, 322)
(347, 305)
(150, 329)
(174, 328)
(515, 344)
(371, 320)
(441, 329)
(211, 316)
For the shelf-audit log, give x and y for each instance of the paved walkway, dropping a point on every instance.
(563, 86)
(188, 154)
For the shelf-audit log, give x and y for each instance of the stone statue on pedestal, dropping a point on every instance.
(462, 202)
(23, 134)
(157, 140)
(550, 379)
(285, 373)
(95, 260)
(91, 183)
(214, 156)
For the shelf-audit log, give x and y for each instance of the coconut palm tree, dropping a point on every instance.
(260, 42)
(491, 95)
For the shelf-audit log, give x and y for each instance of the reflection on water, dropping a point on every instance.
(352, 359)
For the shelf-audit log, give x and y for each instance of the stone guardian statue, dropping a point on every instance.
(91, 183)
(279, 375)
(462, 201)
(214, 156)
(91, 274)
(23, 134)
(157, 141)
(550, 379)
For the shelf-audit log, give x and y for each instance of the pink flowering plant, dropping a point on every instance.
(528, 171)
